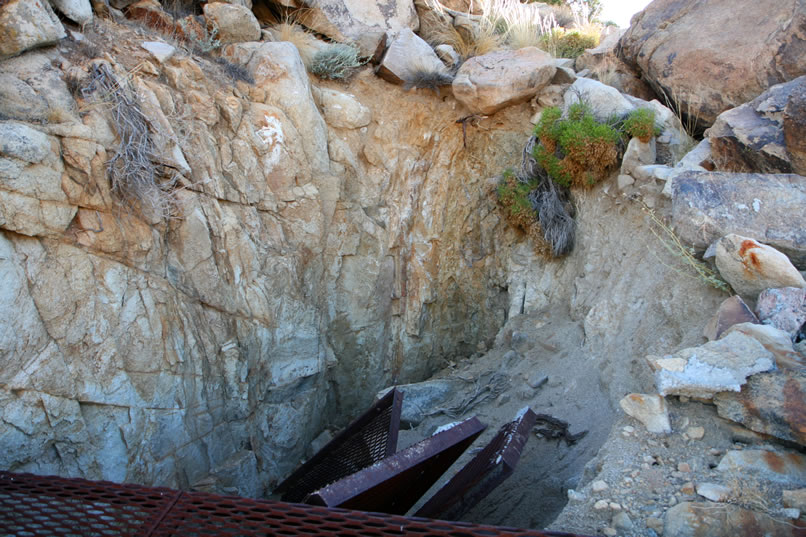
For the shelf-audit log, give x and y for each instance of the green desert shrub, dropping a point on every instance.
(335, 62)
(576, 150)
(565, 44)
(640, 123)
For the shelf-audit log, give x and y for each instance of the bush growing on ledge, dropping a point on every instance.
(640, 123)
(336, 62)
(575, 151)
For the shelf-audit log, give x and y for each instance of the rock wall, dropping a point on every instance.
(309, 264)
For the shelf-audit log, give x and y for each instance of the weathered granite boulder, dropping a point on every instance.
(363, 23)
(26, 24)
(605, 65)
(407, 56)
(79, 11)
(707, 519)
(788, 468)
(751, 267)
(784, 308)
(716, 55)
(770, 403)
(771, 208)
(488, 83)
(342, 110)
(234, 23)
(717, 366)
(604, 100)
(750, 137)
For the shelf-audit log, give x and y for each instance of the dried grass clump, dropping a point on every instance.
(298, 36)
(420, 75)
(132, 170)
(479, 40)
(336, 62)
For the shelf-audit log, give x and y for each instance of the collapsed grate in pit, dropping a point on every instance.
(488, 469)
(367, 440)
(37, 506)
(394, 484)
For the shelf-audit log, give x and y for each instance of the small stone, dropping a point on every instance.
(615, 506)
(713, 492)
(655, 524)
(600, 505)
(731, 312)
(695, 433)
(610, 532)
(574, 496)
(536, 380)
(622, 521)
(624, 181)
(161, 51)
(715, 452)
(795, 499)
(599, 486)
(629, 429)
(684, 467)
(790, 513)
(684, 398)
(688, 488)
(671, 501)
(649, 410)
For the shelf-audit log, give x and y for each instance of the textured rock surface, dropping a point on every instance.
(79, 11)
(609, 69)
(360, 22)
(234, 23)
(778, 342)
(794, 125)
(604, 100)
(771, 208)
(788, 468)
(785, 309)
(750, 267)
(649, 410)
(488, 83)
(706, 519)
(713, 56)
(342, 110)
(770, 403)
(731, 312)
(26, 24)
(408, 55)
(750, 138)
(722, 365)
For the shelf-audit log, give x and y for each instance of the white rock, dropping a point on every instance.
(407, 57)
(624, 181)
(751, 267)
(342, 110)
(599, 486)
(649, 410)
(721, 365)
(21, 141)
(79, 11)
(604, 100)
(161, 51)
(713, 492)
(638, 153)
(601, 505)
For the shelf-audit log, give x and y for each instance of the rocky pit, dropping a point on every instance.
(332, 240)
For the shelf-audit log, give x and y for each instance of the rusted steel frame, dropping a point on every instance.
(349, 451)
(488, 469)
(394, 484)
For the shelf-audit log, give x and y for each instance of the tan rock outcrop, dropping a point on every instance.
(26, 24)
(716, 55)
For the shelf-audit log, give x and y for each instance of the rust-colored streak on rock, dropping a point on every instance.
(774, 461)
(751, 265)
(747, 245)
(795, 409)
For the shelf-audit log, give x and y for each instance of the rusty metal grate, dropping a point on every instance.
(368, 439)
(36, 506)
(394, 484)
(488, 469)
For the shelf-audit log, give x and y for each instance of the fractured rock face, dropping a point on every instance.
(731, 312)
(770, 403)
(750, 267)
(488, 83)
(722, 365)
(716, 55)
(750, 137)
(26, 24)
(771, 208)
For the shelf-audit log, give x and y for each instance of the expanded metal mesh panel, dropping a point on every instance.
(37, 506)
(394, 484)
(365, 441)
(51, 506)
(488, 469)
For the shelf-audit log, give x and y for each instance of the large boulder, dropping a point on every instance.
(234, 23)
(750, 267)
(707, 519)
(488, 83)
(26, 24)
(363, 23)
(605, 65)
(771, 208)
(79, 11)
(604, 101)
(750, 137)
(409, 58)
(715, 55)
